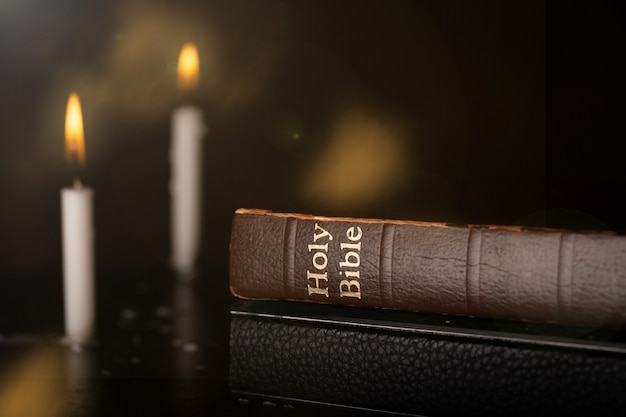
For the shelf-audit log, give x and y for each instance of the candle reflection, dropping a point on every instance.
(185, 321)
(80, 371)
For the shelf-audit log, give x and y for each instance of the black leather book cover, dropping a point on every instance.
(419, 364)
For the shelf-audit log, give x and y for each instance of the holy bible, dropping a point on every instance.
(499, 272)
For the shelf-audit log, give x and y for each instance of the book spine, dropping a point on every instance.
(418, 373)
(545, 276)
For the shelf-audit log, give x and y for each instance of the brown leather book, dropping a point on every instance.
(499, 272)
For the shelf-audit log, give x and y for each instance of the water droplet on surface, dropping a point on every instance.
(190, 347)
(163, 312)
(269, 404)
(128, 314)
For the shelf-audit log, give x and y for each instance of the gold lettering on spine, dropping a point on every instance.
(345, 288)
(317, 278)
(322, 234)
(354, 237)
(319, 261)
(324, 258)
(351, 259)
(323, 247)
(355, 246)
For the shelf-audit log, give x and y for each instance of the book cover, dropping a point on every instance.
(420, 364)
(486, 271)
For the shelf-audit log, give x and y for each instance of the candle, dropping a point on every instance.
(78, 235)
(188, 128)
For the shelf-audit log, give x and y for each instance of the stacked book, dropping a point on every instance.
(426, 319)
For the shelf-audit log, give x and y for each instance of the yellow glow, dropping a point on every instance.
(365, 161)
(31, 389)
(74, 137)
(188, 67)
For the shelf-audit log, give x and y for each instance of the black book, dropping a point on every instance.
(419, 364)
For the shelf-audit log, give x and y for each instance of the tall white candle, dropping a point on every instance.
(78, 237)
(78, 263)
(188, 129)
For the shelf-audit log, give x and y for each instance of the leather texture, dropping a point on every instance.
(351, 363)
(507, 273)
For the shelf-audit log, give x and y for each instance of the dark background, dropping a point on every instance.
(492, 112)
(470, 112)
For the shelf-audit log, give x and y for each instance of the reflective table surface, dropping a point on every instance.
(161, 349)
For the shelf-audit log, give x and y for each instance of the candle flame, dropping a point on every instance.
(74, 137)
(188, 67)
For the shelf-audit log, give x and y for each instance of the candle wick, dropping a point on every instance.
(187, 97)
(77, 183)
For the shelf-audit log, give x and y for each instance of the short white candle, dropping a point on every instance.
(188, 129)
(78, 237)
